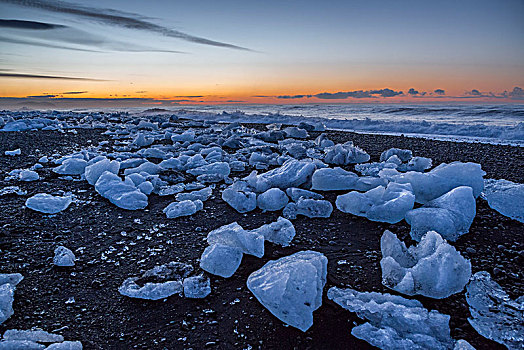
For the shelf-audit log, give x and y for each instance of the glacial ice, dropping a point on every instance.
(8, 283)
(296, 193)
(233, 235)
(64, 257)
(37, 336)
(416, 164)
(311, 208)
(48, 204)
(71, 166)
(506, 197)
(385, 204)
(219, 169)
(295, 132)
(403, 154)
(451, 215)
(240, 197)
(272, 200)
(66, 345)
(433, 268)
(202, 194)
(344, 154)
(121, 194)
(28, 175)
(95, 170)
(394, 322)
(221, 260)
(291, 287)
(333, 179)
(183, 208)
(196, 287)
(292, 173)
(280, 232)
(493, 314)
(15, 152)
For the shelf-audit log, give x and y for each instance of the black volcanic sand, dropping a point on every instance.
(112, 244)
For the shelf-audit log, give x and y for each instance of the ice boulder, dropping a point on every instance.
(221, 260)
(344, 154)
(220, 169)
(240, 198)
(493, 313)
(393, 321)
(64, 257)
(416, 164)
(442, 179)
(311, 208)
(385, 204)
(403, 154)
(183, 208)
(451, 215)
(28, 175)
(295, 132)
(233, 235)
(272, 199)
(292, 173)
(8, 282)
(121, 194)
(202, 194)
(336, 179)
(196, 287)
(37, 336)
(296, 193)
(433, 268)
(506, 197)
(280, 232)
(291, 287)
(48, 204)
(71, 166)
(95, 170)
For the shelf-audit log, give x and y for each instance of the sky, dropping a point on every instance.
(168, 52)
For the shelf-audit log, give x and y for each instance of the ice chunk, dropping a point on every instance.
(48, 204)
(64, 257)
(280, 232)
(493, 314)
(291, 287)
(311, 208)
(345, 154)
(416, 164)
(183, 208)
(71, 166)
(220, 169)
(506, 197)
(442, 179)
(185, 136)
(15, 152)
(451, 215)
(433, 268)
(123, 195)
(292, 173)
(95, 170)
(394, 322)
(20, 345)
(221, 260)
(240, 198)
(403, 154)
(328, 179)
(271, 200)
(66, 345)
(202, 195)
(37, 336)
(385, 204)
(146, 167)
(197, 287)
(296, 193)
(295, 132)
(28, 175)
(8, 284)
(233, 235)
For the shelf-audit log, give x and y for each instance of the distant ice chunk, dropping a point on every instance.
(234, 235)
(296, 133)
(451, 215)
(220, 169)
(280, 232)
(66, 345)
(385, 204)
(493, 314)
(296, 193)
(188, 135)
(48, 204)
(344, 154)
(221, 260)
(64, 257)
(15, 152)
(292, 173)
(240, 197)
(311, 208)
(146, 167)
(197, 287)
(506, 197)
(272, 200)
(328, 179)
(121, 194)
(71, 166)
(183, 208)
(28, 175)
(202, 195)
(291, 287)
(403, 154)
(433, 268)
(416, 164)
(8, 284)
(394, 322)
(95, 170)
(442, 179)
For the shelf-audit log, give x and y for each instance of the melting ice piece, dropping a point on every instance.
(95, 170)
(28, 175)
(48, 204)
(433, 268)
(8, 284)
(493, 314)
(219, 169)
(15, 152)
(272, 200)
(280, 232)
(394, 322)
(403, 154)
(291, 287)
(311, 208)
(37, 336)
(233, 235)
(442, 179)
(66, 345)
(221, 260)
(183, 208)
(122, 194)
(292, 173)
(451, 215)
(296, 193)
(328, 179)
(239, 197)
(506, 197)
(197, 287)
(416, 164)
(202, 195)
(71, 166)
(64, 257)
(344, 154)
(385, 204)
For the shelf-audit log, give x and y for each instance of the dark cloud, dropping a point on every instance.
(190, 96)
(42, 44)
(42, 96)
(294, 96)
(358, 94)
(117, 18)
(517, 93)
(439, 92)
(74, 92)
(21, 24)
(474, 92)
(37, 76)
(413, 92)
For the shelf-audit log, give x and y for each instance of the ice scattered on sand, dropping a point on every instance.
(291, 287)
(344, 154)
(15, 152)
(292, 173)
(48, 204)
(196, 287)
(432, 268)
(95, 170)
(333, 179)
(272, 200)
(71, 166)
(493, 314)
(233, 235)
(280, 232)
(8, 284)
(64, 257)
(506, 197)
(311, 208)
(183, 208)
(221, 260)
(122, 194)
